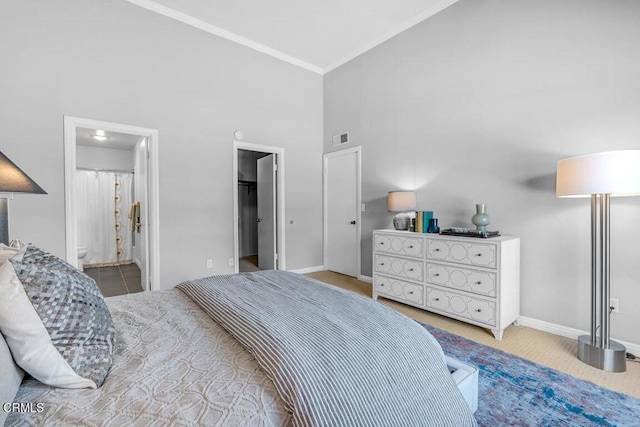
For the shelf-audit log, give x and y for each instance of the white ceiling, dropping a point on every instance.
(115, 140)
(318, 35)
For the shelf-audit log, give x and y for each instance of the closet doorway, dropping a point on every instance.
(111, 215)
(258, 200)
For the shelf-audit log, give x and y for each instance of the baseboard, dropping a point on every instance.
(540, 325)
(308, 269)
(567, 332)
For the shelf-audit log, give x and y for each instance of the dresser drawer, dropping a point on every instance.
(480, 254)
(462, 279)
(411, 246)
(405, 268)
(464, 306)
(399, 289)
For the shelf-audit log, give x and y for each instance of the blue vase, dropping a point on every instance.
(433, 226)
(480, 219)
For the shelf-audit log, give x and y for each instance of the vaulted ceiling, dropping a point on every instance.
(318, 35)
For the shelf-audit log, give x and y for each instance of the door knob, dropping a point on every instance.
(258, 220)
(353, 223)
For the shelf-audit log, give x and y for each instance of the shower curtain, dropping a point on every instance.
(103, 203)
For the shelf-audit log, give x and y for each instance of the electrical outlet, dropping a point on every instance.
(231, 262)
(615, 305)
(209, 263)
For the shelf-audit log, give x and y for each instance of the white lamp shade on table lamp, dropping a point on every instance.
(600, 176)
(401, 201)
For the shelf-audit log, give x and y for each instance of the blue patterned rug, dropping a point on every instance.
(513, 391)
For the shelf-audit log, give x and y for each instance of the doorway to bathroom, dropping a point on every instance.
(258, 179)
(111, 204)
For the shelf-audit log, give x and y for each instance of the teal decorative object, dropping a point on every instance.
(480, 219)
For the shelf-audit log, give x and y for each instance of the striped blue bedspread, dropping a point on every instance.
(335, 357)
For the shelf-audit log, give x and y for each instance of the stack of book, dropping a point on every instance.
(422, 221)
(457, 231)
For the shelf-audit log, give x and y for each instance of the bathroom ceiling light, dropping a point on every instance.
(100, 136)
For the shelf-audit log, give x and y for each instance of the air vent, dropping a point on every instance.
(340, 139)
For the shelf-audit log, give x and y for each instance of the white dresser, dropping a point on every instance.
(471, 279)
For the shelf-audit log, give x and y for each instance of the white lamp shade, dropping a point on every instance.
(401, 201)
(613, 172)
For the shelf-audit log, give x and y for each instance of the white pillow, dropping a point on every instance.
(28, 338)
(7, 252)
(10, 378)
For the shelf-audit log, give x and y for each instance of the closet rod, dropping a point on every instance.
(105, 170)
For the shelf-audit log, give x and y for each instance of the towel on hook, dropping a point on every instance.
(134, 217)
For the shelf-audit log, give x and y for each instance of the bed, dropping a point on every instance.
(260, 349)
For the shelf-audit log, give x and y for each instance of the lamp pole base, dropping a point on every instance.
(612, 359)
(4, 220)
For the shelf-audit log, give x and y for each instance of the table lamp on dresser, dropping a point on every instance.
(402, 202)
(12, 180)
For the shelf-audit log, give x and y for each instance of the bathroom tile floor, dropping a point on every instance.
(116, 280)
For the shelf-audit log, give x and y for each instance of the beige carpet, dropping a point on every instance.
(541, 347)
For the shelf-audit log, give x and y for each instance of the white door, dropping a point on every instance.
(142, 195)
(342, 211)
(266, 177)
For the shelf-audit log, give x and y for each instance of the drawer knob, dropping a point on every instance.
(411, 293)
(479, 255)
(410, 246)
(478, 283)
(382, 263)
(381, 285)
(382, 243)
(411, 269)
(479, 310)
(436, 299)
(437, 274)
(437, 249)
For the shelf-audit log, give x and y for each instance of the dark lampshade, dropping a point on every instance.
(14, 180)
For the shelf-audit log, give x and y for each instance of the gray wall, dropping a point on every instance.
(476, 105)
(104, 158)
(116, 62)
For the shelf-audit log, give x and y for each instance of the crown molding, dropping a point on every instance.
(220, 32)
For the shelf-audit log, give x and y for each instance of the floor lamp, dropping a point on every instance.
(12, 180)
(600, 176)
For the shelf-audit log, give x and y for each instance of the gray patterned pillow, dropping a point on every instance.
(72, 310)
